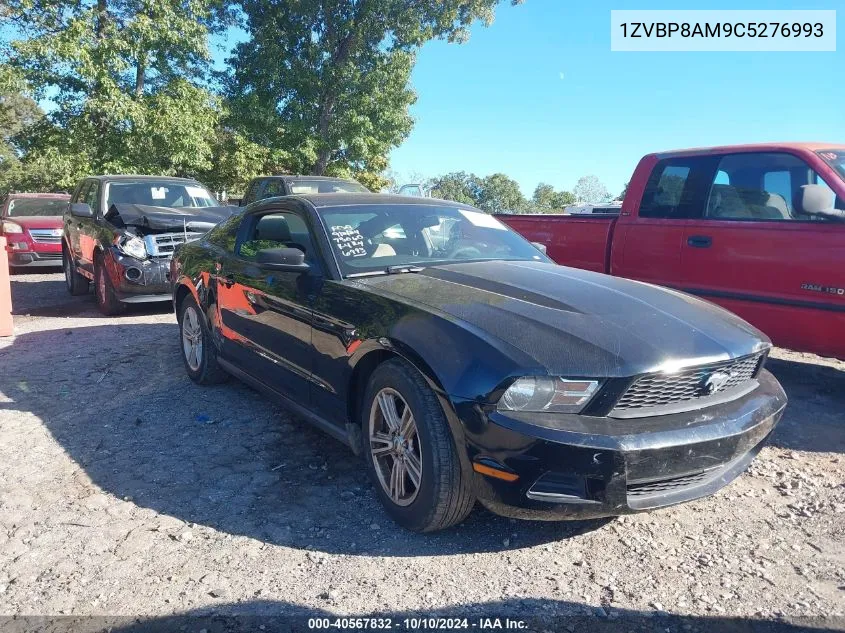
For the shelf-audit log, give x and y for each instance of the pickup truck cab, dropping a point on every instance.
(285, 185)
(757, 229)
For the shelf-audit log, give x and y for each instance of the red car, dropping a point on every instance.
(757, 229)
(32, 225)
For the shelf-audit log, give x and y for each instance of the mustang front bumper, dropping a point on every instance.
(592, 467)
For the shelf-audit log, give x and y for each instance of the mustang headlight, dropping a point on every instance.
(132, 246)
(547, 394)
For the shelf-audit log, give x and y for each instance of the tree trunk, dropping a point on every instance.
(140, 74)
(323, 126)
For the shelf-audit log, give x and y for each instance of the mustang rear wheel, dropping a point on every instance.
(198, 351)
(410, 451)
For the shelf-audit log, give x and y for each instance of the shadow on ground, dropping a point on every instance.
(117, 399)
(517, 614)
(815, 416)
(36, 296)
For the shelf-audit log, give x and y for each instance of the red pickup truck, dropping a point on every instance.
(758, 229)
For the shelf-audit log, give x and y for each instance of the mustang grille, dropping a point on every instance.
(656, 390)
(647, 489)
(163, 244)
(46, 236)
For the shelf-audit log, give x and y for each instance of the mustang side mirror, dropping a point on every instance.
(81, 210)
(282, 259)
(540, 247)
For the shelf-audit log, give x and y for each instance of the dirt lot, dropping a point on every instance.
(127, 490)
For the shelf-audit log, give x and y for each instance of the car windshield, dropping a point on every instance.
(326, 186)
(160, 194)
(35, 206)
(836, 159)
(373, 238)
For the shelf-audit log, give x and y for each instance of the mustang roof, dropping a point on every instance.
(321, 200)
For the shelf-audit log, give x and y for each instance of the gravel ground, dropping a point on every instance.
(125, 489)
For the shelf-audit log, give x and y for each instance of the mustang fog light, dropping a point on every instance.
(547, 394)
(132, 246)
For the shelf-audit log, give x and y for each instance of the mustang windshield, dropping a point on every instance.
(373, 238)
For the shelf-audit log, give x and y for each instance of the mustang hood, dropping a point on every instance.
(575, 322)
(167, 218)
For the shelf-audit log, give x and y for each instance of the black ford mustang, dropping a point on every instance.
(466, 366)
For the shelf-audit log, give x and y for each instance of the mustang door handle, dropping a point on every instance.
(700, 241)
(228, 280)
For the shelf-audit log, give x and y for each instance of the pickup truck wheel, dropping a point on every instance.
(76, 284)
(410, 451)
(198, 351)
(107, 301)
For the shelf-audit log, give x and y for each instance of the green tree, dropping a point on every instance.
(547, 200)
(128, 78)
(590, 189)
(458, 186)
(328, 80)
(501, 194)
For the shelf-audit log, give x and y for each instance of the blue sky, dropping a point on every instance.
(540, 97)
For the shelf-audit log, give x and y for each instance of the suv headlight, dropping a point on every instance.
(133, 246)
(549, 394)
(11, 227)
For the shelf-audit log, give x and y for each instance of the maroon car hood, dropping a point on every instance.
(37, 221)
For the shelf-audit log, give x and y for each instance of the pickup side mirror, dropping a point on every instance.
(81, 210)
(282, 259)
(540, 247)
(819, 200)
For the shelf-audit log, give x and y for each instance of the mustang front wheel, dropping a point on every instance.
(410, 451)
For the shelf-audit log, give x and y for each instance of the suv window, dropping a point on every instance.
(676, 187)
(251, 194)
(762, 186)
(92, 197)
(277, 230)
(275, 187)
(80, 194)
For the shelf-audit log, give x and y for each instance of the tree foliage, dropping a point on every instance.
(547, 200)
(329, 80)
(500, 194)
(127, 80)
(590, 189)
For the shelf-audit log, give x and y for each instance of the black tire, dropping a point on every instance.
(75, 283)
(444, 497)
(203, 368)
(107, 301)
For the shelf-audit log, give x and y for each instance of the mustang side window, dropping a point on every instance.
(277, 230)
(225, 234)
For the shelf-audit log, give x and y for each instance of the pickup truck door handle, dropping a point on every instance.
(700, 241)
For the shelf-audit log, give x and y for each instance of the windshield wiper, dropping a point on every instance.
(403, 268)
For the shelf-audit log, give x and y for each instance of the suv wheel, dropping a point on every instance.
(410, 451)
(107, 301)
(198, 350)
(76, 284)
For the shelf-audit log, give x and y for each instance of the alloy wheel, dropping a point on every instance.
(395, 447)
(192, 338)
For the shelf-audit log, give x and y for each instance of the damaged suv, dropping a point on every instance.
(121, 231)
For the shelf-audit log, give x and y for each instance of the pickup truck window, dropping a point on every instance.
(676, 187)
(92, 197)
(760, 186)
